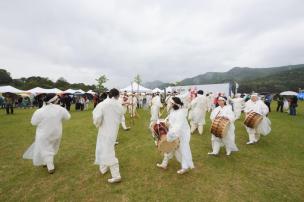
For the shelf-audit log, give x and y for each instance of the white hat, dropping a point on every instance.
(222, 98)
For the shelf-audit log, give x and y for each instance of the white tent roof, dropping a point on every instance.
(79, 91)
(39, 90)
(91, 92)
(157, 90)
(135, 87)
(71, 91)
(9, 89)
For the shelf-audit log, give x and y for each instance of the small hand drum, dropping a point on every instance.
(160, 131)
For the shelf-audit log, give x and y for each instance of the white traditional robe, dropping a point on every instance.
(48, 120)
(124, 102)
(179, 128)
(197, 113)
(264, 127)
(155, 107)
(107, 117)
(132, 105)
(229, 140)
(237, 106)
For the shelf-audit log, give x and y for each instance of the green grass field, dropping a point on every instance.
(272, 170)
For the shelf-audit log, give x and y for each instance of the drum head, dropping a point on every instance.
(165, 146)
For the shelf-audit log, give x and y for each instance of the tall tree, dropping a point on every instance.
(137, 79)
(62, 84)
(100, 83)
(5, 77)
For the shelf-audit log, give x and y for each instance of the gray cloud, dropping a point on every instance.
(165, 40)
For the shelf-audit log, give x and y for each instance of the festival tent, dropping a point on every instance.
(289, 93)
(9, 89)
(157, 90)
(79, 91)
(135, 87)
(91, 92)
(39, 90)
(55, 90)
(69, 91)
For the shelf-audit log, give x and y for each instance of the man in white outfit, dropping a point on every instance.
(197, 113)
(258, 106)
(155, 108)
(48, 120)
(238, 103)
(133, 104)
(123, 99)
(229, 140)
(107, 117)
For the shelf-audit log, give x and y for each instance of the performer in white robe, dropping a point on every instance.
(209, 101)
(238, 103)
(123, 99)
(133, 104)
(179, 128)
(197, 113)
(229, 140)
(155, 108)
(107, 117)
(258, 106)
(48, 120)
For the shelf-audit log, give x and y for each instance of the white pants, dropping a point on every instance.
(198, 126)
(123, 122)
(114, 169)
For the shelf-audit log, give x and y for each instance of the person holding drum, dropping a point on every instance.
(178, 128)
(256, 122)
(222, 128)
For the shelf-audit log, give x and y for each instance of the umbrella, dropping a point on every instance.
(289, 93)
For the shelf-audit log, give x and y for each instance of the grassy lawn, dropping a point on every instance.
(272, 170)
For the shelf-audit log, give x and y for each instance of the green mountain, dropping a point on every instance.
(272, 79)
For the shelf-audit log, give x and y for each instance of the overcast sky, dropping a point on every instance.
(166, 40)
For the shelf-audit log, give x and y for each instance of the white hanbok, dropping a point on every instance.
(197, 113)
(124, 102)
(107, 117)
(229, 140)
(264, 127)
(132, 105)
(48, 120)
(179, 128)
(237, 106)
(155, 108)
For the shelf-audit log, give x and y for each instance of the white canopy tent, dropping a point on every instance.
(157, 90)
(9, 89)
(91, 92)
(39, 90)
(135, 87)
(80, 91)
(70, 91)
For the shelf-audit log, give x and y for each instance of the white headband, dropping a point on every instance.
(52, 100)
